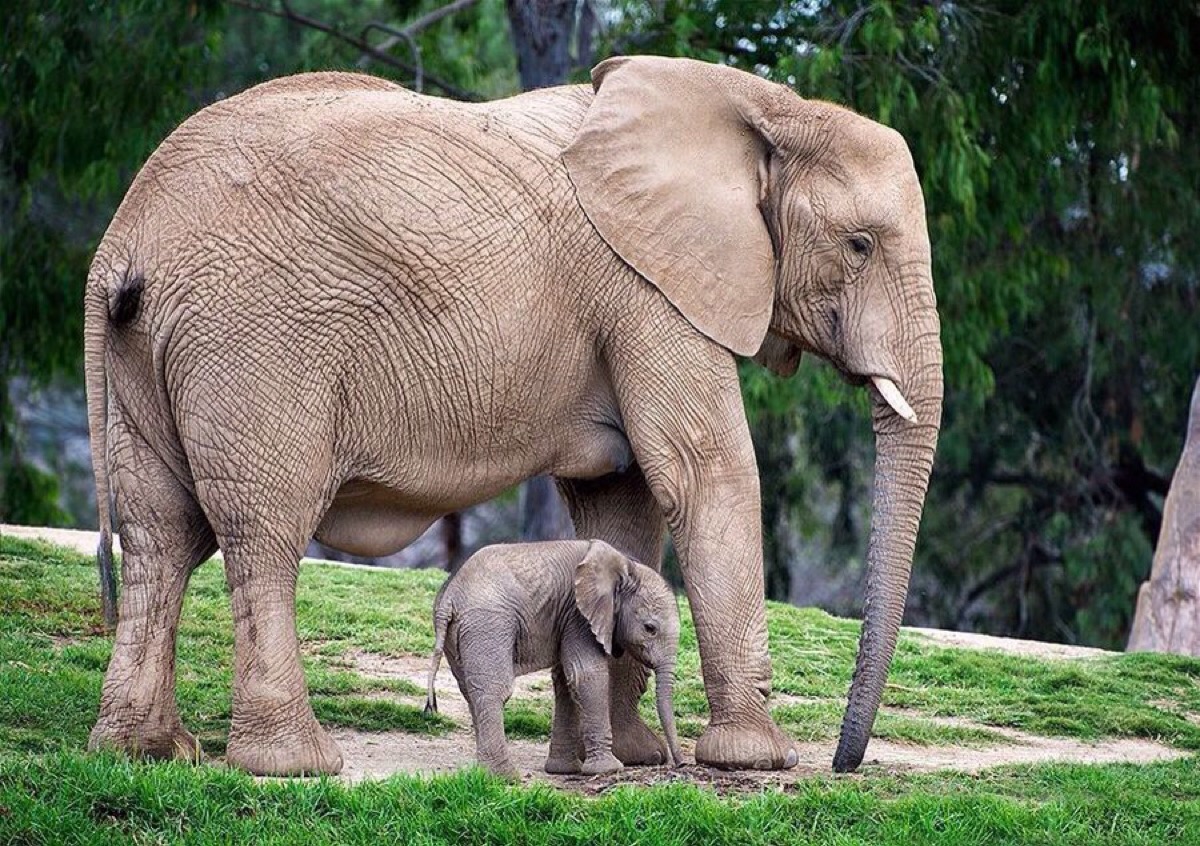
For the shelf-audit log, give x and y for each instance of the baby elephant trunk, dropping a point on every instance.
(664, 683)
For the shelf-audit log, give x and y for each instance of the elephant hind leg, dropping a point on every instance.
(621, 510)
(482, 664)
(164, 536)
(273, 730)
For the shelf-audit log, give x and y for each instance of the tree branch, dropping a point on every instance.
(406, 33)
(287, 13)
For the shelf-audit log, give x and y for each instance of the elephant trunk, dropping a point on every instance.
(903, 461)
(664, 684)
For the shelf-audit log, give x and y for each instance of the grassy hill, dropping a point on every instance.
(53, 654)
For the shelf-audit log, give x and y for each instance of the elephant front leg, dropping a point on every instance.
(565, 743)
(718, 535)
(621, 510)
(687, 427)
(588, 682)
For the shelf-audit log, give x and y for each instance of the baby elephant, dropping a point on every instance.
(568, 605)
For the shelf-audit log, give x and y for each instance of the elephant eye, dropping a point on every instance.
(861, 245)
(650, 628)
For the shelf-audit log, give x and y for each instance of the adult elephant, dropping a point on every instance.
(329, 305)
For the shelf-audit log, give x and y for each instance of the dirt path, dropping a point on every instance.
(376, 755)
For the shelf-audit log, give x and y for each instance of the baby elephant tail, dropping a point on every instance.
(441, 621)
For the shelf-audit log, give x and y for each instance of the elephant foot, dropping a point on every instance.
(283, 749)
(501, 768)
(562, 764)
(750, 745)
(636, 745)
(603, 764)
(165, 740)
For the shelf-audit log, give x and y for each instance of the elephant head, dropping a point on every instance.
(776, 225)
(631, 609)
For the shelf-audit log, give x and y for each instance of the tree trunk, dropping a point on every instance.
(541, 34)
(775, 466)
(544, 515)
(1168, 606)
(452, 540)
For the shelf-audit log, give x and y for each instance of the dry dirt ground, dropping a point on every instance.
(370, 755)
(377, 755)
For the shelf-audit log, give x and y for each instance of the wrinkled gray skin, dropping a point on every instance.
(331, 306)
(566, 605)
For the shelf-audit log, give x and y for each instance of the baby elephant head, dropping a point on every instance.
(631, 609)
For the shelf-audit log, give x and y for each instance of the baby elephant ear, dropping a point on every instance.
(597, 579)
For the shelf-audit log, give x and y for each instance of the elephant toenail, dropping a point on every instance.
(791, 760)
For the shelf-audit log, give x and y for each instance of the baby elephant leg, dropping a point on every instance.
(486, 681)
(566, 747)
(590, 688)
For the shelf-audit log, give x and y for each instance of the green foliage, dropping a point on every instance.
(27, 495)
(90, 90)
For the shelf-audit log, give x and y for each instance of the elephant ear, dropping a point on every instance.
(670, 165)
(597, 580)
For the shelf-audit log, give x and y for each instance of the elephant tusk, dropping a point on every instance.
(887, 388)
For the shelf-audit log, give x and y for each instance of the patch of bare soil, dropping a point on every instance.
(1008, 645)
(378, 755)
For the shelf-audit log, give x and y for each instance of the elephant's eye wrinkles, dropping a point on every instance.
(861, 245)
(651, 629)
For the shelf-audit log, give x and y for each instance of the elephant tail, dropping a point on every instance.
(442, 614)
(95, 347)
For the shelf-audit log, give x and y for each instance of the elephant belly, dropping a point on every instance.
(366, 520)
(594, 450)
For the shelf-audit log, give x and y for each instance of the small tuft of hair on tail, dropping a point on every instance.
(431, 706)
(127, 299)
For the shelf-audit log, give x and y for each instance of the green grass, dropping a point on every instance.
(67, 798)
(52, 643)
(53, 654)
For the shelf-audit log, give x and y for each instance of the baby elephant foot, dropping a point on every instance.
(289, 749)
(562, 764)
(636, 745)
(602, 764)
(162, 741)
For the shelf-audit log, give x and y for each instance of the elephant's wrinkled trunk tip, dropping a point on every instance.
(664, 682)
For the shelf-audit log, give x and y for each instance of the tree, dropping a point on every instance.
(1167, 618)
(80, 112)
